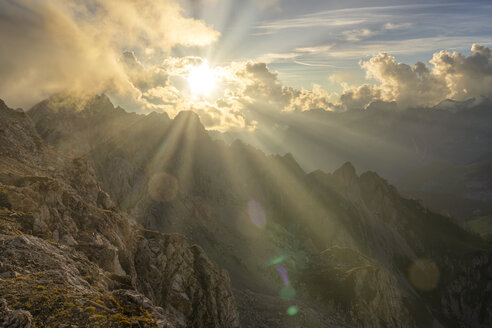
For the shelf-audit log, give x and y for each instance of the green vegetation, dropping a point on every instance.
(54, 304)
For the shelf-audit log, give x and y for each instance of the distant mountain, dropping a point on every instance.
(463, 191)
(398, 144)
(302, 250)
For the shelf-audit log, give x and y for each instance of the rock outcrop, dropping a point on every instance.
(69, 256)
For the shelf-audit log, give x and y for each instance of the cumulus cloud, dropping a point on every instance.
(449, 75)
(405, 84)
(317, 98)
(465, 76)
(360, 97)
(54, 45)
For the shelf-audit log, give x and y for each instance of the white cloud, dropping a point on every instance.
(465, 76)
(358, 34)
(450, 75)
(75, 46)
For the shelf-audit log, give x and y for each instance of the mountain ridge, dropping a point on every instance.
(70, 257)
(354, 252)
(217, 182)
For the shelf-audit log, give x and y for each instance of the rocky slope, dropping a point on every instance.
(310, 250)
(69, 257)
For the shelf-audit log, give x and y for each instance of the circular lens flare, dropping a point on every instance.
(287, 292)
(202, 80)
(163, 187)
(292, 310)
(424, 274)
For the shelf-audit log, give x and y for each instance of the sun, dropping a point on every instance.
(202, 80)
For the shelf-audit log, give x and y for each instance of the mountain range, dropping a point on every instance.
(110, 218)
(405, 146)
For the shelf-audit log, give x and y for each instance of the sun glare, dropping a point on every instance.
(202, 80)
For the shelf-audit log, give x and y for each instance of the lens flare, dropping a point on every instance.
(163, 187)
(287, 292)
(277, 260)
(424, 274)
(256, 213)
(292, 310)
(282, 271)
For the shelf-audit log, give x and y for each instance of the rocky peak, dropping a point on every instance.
(3, 106)
(347, 180)
(345, 172)
(99, 103)
(188, 116)
(189, 122)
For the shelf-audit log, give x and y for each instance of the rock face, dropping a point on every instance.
(171, 272)
(14, 319)
(69, 256)
(358, 283)
(302, 250)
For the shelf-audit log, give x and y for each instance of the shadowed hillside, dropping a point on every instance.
(301, 249)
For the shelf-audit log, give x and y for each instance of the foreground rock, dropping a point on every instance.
(69, 257)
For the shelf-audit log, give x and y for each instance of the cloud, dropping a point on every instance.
(277, 57)
(465, 76)
(317, 98)
(261, 85)
(142, 78)
(257, 91)
(221, 119)
(309, 21)
(408, 85)
(316, 49)
(447, 75)
(66, 45)
(396, 26)
(358, 34)
(450, 75)
(360, 97)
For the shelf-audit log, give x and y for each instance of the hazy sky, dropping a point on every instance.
(230, 60)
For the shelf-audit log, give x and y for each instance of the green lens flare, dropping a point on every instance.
(292, 310)
(278, 260)
(287, 292)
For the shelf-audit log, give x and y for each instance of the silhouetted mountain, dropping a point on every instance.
(396, 143)
(336, 250)
(459, 190)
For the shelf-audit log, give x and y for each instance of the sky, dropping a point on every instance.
(229, 60)
(307, 41)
